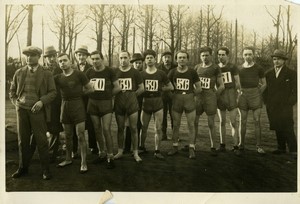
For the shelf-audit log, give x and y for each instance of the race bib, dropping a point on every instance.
(125, 84)
(151, 85)
(226, 76)
(98, 84)
(205, 82)
(182, 84)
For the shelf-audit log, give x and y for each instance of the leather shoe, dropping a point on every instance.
(46, 175)
(20, 172)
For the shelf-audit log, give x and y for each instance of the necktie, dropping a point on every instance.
(277, 71)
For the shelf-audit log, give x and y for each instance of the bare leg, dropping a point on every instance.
(134, 137)
(80, 129)
(121, 125)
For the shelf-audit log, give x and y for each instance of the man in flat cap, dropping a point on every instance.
(31, 91)
(167, 65)
(81, 55)
(280, 97)
(54, 126)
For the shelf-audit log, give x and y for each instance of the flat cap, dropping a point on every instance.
(280, 54)
(32, 50)
(136, 57)
(50, 50)
(166, 53)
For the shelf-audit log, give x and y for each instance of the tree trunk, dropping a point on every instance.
(146, 28)
(30, 25)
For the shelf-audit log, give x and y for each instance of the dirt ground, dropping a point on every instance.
(224, 173)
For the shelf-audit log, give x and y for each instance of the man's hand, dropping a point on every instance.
(37, 107)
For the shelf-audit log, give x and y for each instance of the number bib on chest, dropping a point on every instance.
(182, 84)
(125, 84)
(151, 85)
(227, 78)
(98, 84)
(205, 82)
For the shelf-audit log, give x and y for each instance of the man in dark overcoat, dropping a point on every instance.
(280, 97)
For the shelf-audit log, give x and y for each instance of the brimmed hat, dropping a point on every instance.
(50, 50)
(279, 53)
(32, 50)
(136, 57)
(83, 49)
(166, 53)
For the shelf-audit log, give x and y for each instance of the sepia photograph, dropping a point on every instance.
(149, 101)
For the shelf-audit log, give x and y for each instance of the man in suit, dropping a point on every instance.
(54, 126)
(81, 55)
(167, 65)
(32, 91)
(280, 96)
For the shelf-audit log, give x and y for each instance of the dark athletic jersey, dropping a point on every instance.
(208, 75)
(183, 82)
(153, 83)
(228, 72)
(102, 83)
(129, 80)
(249, 77)
(71, 87)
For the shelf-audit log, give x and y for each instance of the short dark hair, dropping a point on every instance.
(63, 54)
(97, 52)
(224, 49)
(249, 48)
(149, 52)
(125, 51)
(182, 51)
(206, 49)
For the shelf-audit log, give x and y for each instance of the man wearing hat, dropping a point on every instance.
(166, 65)
(54, 126)
(32, 91)
(280, 97)
(137, 62)
(81, 55)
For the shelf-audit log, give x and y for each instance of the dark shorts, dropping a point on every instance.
(152, 105)
(183, 102)
(250, 99)
(228, 99)
(72, 112)
(99, 107)
(206, 102)
(126, 103)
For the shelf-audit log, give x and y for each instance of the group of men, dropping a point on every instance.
(63, 97)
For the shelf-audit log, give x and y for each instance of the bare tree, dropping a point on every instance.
(276, 22)
(98, 18)
(30, 24)
(126, 17)
(68, 23)
(109, 19)
(14, 18)
(211, 20)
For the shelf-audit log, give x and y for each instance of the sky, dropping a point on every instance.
(253, 16)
